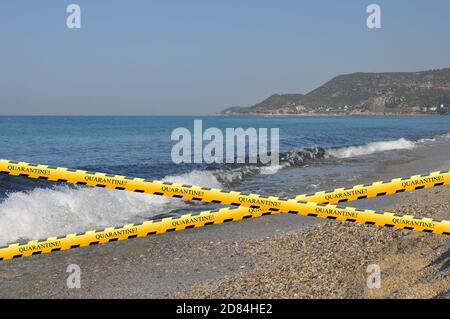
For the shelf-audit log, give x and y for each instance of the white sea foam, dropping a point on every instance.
(371, 148)
(200, 178)
(426, 140)
(272, 169)
(42, 213)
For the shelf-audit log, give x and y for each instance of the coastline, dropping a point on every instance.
(282, 256)
(329, 114)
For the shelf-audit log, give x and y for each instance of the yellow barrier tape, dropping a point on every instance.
(188, 221)
(271, 203)
(376, 189)
(111, 234)
(257, 204)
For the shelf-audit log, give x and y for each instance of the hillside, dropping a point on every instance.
(426, 92)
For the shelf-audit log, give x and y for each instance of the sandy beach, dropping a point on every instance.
(282, 256)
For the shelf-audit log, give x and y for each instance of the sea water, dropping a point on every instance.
(315, 153)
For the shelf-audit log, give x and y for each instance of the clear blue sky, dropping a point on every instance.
(198, 57)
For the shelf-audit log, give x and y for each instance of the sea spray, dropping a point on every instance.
(371, 148)
(41, 213)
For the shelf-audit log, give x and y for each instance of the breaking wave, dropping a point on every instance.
(42, 213)
(307, 156)
(371, 148)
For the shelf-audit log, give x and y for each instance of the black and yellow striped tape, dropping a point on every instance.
(376, 189)
(255, 206)
(170, 224)
(111, 234)
(271, 203)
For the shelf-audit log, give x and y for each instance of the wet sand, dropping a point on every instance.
(281, 256)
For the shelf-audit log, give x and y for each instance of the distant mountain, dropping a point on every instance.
(426, 92)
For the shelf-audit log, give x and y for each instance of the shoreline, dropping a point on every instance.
(331, 114)
(282, 256)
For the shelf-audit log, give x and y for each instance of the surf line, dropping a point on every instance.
(155, 187)
(272, 204)
(205, 194)
(251, 201)
(183, 222)
(375, 189)
(328, 197)
(189, 192)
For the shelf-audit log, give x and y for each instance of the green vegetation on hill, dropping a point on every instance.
(426, 92)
